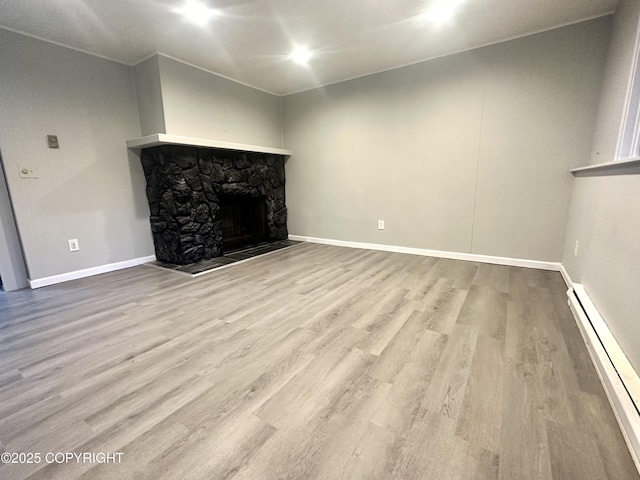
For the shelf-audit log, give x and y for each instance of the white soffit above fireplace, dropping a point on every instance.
(251, 41)
(164, 139)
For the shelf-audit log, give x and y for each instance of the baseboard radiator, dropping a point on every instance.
(620, 381)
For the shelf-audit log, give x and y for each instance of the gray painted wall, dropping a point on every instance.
(90, 188)
(468, 153)
(149, 95)
(605, 210)
(203, 105)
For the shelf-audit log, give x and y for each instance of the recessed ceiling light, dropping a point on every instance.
(301, 55)
(197, 12)
(442, 12)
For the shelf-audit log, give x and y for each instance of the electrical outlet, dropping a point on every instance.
(380, 224)
(575, 249)
(27, 172)
(74, 246)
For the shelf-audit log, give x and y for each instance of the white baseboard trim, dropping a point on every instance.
(470, 257)
(566, 277)
(619, 379)
(88, 272)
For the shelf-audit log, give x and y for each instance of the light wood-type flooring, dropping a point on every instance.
(315, 362)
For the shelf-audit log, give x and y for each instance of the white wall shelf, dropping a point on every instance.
(611, 168)
(164, 139)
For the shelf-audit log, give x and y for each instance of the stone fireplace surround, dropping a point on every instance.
(186, 186)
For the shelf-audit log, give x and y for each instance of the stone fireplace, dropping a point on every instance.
(205, 201)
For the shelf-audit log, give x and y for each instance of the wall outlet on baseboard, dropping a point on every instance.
(575, 249)
(74, 246)
(380, 224)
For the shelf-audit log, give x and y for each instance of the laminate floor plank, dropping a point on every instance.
(360, 451)
(142, 454)
(573, 454)
(306, 434)
(524, 445)
(385, 327)
(314, 362)
(423, 284)
(480, 421)
(117, 437)
(446, 391)
(485, 309)
(334, 362)
(404, 397)
(495, 277)
(518, 285)
(442, 306)
(555, 368)
(595, 419)
(399, 350)
(431, 450)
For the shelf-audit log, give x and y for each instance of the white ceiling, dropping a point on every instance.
(250, 41)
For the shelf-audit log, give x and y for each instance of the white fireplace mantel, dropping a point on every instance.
(165, 139)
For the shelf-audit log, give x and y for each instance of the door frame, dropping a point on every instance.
(13, 269)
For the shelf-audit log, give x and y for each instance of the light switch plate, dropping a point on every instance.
(27, 172)
(52, 140)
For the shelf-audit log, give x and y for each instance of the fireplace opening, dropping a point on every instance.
(244, 222)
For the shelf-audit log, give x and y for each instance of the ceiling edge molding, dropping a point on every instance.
(64, 45)
(175, 59)
(507, 39)
(145, 58)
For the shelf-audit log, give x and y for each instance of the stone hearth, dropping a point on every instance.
(185, 186)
